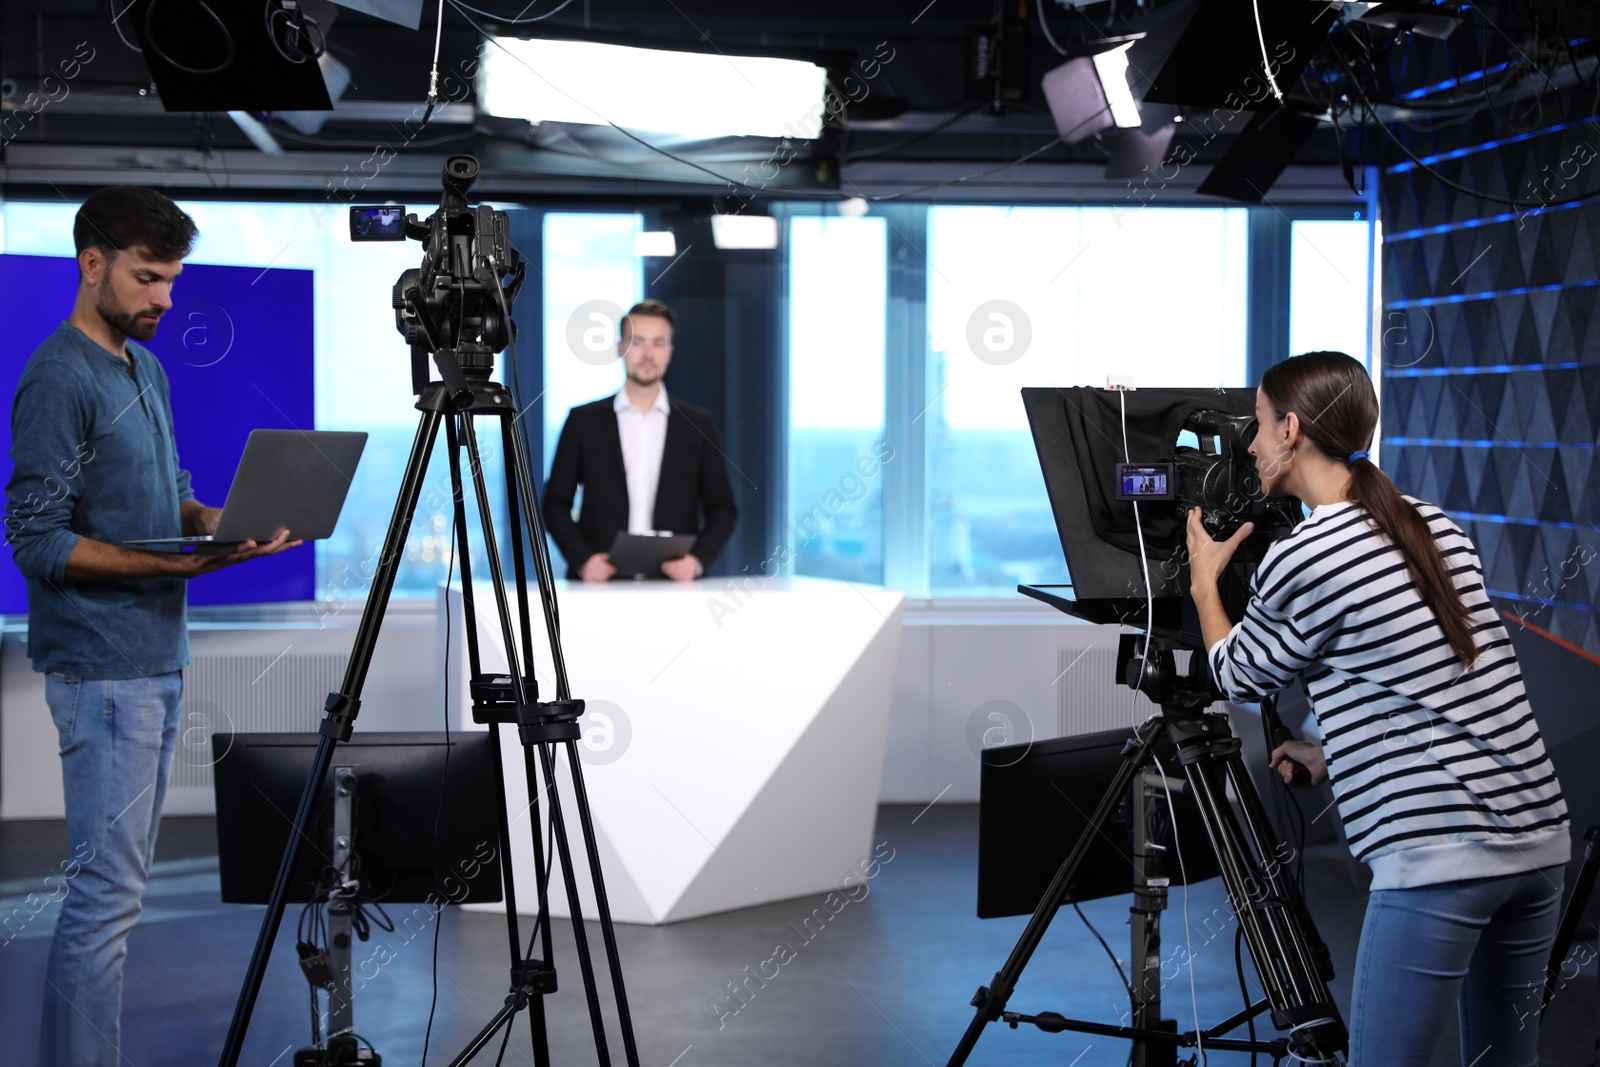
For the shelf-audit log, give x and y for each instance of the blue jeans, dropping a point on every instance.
(1483, 943)
(117, 739)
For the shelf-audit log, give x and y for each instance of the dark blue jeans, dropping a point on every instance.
(1482, 944)
(117, 739)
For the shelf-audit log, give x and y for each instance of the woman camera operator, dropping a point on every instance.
(1377, 600)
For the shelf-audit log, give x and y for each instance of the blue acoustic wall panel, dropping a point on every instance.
(238, 349)
(1491, 355)
(1491, 362)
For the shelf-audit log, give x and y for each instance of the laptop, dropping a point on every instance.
(293, 480)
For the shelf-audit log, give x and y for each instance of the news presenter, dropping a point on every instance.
(1377, 602)
(645, 463)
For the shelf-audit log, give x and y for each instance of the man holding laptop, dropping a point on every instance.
(95, 466)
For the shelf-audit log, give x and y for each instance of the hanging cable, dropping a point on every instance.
(517, 20)
(116, 23)
(913, 139)
(1044, 24)
(433, 73)
(1266, 61)
(1369, 117)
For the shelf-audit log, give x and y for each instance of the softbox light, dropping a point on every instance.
(695, 94)
(1087, 94)
(228, 56)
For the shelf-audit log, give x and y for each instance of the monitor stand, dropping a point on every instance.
(329, 968)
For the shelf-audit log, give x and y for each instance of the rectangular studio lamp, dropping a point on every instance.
(744, 231)
(693, 94)
(654, 243)
(1088, 94)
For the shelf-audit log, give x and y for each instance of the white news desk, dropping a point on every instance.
(733, 743)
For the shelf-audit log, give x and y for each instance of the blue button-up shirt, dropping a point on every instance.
(93, 456)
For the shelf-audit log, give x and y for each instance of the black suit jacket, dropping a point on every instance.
(694, 479)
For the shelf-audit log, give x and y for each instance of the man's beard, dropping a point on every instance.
(126, 324)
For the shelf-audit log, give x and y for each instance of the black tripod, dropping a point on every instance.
(1290, 958)
(512, 698)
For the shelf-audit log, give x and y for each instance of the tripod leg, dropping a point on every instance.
(579, 935)
(536, 1021)
(536, 1017)
(535, 1005)
(516, 658)
(336, 726)
(539, 550)
(523, 479)
(991, 1000)
(514, 521)
(469, 596)
(1265, 901)
(608, 933)
(469, 615)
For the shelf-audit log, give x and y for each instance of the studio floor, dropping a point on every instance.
(886, 979)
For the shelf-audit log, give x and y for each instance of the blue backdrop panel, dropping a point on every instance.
(237, 347)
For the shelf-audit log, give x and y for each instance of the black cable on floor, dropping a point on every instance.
(1114, 961)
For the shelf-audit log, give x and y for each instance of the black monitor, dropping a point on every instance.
(1035, 802)
(425, 816)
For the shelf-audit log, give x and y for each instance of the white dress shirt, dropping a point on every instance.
(644, 438)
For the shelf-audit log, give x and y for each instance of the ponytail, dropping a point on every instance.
(1340, 391)
(1398, 520)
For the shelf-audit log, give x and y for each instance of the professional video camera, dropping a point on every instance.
(457, 305)
(1094, 480)
(1217, 474)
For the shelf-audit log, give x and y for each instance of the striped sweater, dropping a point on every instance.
(1439, 771)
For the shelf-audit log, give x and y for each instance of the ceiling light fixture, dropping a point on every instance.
(744, 231)
(1087, 94)
(689, 93)
(654, 243)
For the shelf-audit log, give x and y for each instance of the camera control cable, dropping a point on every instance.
(1166, 787)
(1188, 936)
(1144, 560)
(438, 907)
(1112, 955)
(433, 73)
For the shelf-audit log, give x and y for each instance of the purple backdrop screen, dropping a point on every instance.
(237, 347)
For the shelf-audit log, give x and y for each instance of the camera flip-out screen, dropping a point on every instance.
(386, 223)
(1144, 481)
